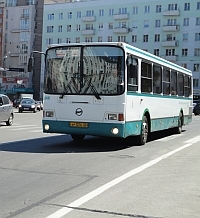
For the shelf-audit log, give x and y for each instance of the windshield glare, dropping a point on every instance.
(85, 70)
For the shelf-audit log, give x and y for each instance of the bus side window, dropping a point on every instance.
(132, 75)
(146, 77)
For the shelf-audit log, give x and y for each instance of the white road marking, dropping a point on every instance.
(168, 138)
(18, 129)
(65, 210)
(40, 130)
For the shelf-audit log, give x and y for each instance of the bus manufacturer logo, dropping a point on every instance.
(79, 112)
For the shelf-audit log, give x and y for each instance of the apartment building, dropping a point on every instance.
(167, 29)
(22, 31)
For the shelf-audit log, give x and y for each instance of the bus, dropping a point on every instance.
(113, 89)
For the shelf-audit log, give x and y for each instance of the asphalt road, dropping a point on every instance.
(44, 175)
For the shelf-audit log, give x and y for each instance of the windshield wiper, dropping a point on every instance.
(92, 88)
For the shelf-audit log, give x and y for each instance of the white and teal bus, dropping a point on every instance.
(113, 89)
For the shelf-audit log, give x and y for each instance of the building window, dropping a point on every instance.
(195, 82)
(109, 38)
(197, 52)
(170, 52)
(145, 38)
(171, 22)
(158, 8)
(157, 23)
(78, 27)
(68, 40)
(134, 38)
(110, 26)
(49, 29)
(101, 13)
(184, 65)
(100, 26)
(78, 14)
(157, 37)
(196, 67)
(59, 40)
(146, 9)
(111, 12)
(121, 38)
(185, 37)
(60, 16)
(135, 10)
(50, 16)
(197, 36)
(198, 21)
(122, 10)
(186, 6)
(186, 22)
(134, 24)
(89, 26)
(198, 5)
(60, 28)
(99, 38)
(69, 15)
(172, 7)
(146, 23)
(77, 39)
(184, 52)
(69, 28)
(88, 39)
(156, 52)
(49, 41)
(89, 14)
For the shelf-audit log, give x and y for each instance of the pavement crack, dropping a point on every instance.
(106, 212)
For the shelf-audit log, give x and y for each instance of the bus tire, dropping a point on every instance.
(144, 131)
(178, 129)
(77, 137)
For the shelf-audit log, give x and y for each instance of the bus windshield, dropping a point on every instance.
(85, 70)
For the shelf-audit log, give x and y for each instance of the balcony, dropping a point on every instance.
(171, 13)
(172, 58)
(88, 18)
(14, 54)
(170, 43)
(120, 30)
(88, 32)
(171, 28)
(121, 16)
(25, 16)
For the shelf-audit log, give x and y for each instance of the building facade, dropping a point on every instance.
(169, 30)
(22, 31)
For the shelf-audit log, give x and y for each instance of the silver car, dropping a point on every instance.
(6, 110)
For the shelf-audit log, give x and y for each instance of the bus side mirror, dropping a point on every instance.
(30, 64)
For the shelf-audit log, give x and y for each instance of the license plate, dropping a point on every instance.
(78, 124)
(26, 108)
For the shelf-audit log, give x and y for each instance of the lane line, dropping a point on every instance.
(65, 210)
(168, 138)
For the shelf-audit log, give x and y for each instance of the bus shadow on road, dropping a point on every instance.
(64, 144)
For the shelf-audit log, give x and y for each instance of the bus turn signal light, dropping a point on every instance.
(120, 117)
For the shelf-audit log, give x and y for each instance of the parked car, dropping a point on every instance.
(27, 105)
(196, 109)
(6, 110)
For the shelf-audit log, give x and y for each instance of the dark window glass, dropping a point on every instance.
(132, 70)
(166, 81)
(173, 83)
(187, 86)
(157, 79)
(146, 77)
(180, 84)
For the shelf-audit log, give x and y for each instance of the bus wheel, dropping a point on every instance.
(178, 129)
(144, 131)
(77, 137)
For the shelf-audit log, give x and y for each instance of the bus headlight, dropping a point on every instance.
(48, 114)
(112, 116)
(46, 127)
(115, 131)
